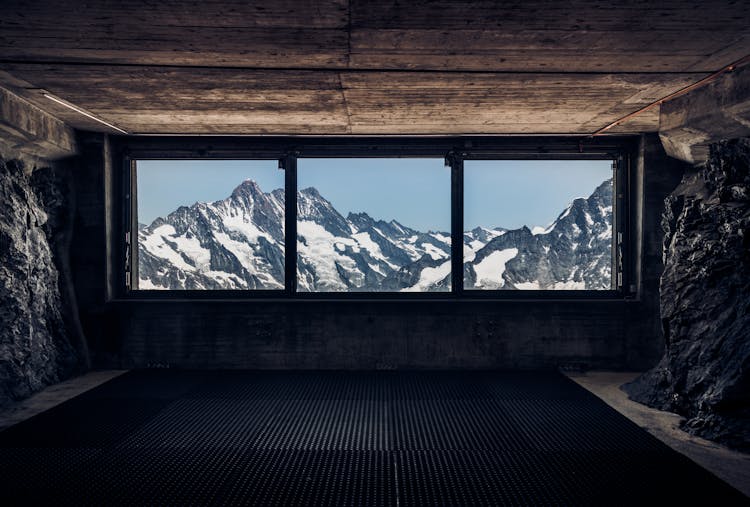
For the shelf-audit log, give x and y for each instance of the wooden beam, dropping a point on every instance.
(281, 33)
(483, 35)
(548, 36)
(453, 103)
(243, 101)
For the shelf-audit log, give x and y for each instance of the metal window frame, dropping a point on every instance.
(455, 150)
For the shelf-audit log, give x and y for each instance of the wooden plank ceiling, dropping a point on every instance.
(315, 67)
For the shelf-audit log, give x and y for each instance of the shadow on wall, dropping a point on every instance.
(705, 301)
(40, 338)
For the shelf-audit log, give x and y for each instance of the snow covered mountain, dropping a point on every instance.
(359, 253)
(574, 252)
(238, 243)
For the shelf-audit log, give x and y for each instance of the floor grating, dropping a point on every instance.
(170, 437)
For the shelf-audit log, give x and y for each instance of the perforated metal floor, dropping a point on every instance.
(166, 437)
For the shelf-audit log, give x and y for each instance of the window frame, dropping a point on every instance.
(369, 294)
(126, 150)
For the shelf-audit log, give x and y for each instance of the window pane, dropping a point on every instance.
(538, 225)
(366, 225)
(210, 224)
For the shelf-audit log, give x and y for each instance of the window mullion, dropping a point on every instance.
(457, 224)
(290, 224)
(130, 225)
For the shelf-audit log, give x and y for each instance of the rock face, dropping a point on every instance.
(705, 301)
(35, 349)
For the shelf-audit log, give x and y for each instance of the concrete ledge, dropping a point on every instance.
(719, 110)
(731, 466)
(53, 396)
(28, 129)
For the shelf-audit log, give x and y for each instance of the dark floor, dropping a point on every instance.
(166, 437)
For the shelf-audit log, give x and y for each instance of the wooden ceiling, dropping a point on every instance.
(314, 67)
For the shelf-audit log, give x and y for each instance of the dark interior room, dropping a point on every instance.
(375, 252)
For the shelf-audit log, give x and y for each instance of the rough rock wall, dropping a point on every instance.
(35, 321)
(705, 301)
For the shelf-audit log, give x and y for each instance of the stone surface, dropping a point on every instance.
(35, 348)
(705, 301)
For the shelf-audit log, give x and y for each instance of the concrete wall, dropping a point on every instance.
(718, 111)
(616, 334)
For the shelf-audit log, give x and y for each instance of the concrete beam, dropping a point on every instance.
(719, 110)
(29, 130)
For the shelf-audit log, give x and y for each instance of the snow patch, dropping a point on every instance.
(147, 284)
(429, 277)
(537, 230)
(192, 248)
(569, 285)
(365, 241)
(243, 225)
(490, 270)
(528, 285)
(566, 212)
(476, 245)
(318, 250)
(433, 251)
(441, 238)
(589, 220)
(156, 244)
(242, 251)
(396, 226)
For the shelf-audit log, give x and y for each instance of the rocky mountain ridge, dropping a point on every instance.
(238, 243)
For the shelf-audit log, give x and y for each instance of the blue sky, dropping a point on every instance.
(415, 192)
(165, 185)
(514, 193)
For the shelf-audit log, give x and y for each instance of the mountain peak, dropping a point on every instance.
(361, 221)
(359, 215)
(311, 192)
(399, 226)
(247, 188)
(603, 191)
(362, 253)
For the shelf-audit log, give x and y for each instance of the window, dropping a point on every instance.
(209, 225)
(538, 224)
(373, 225)
(375, 218)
